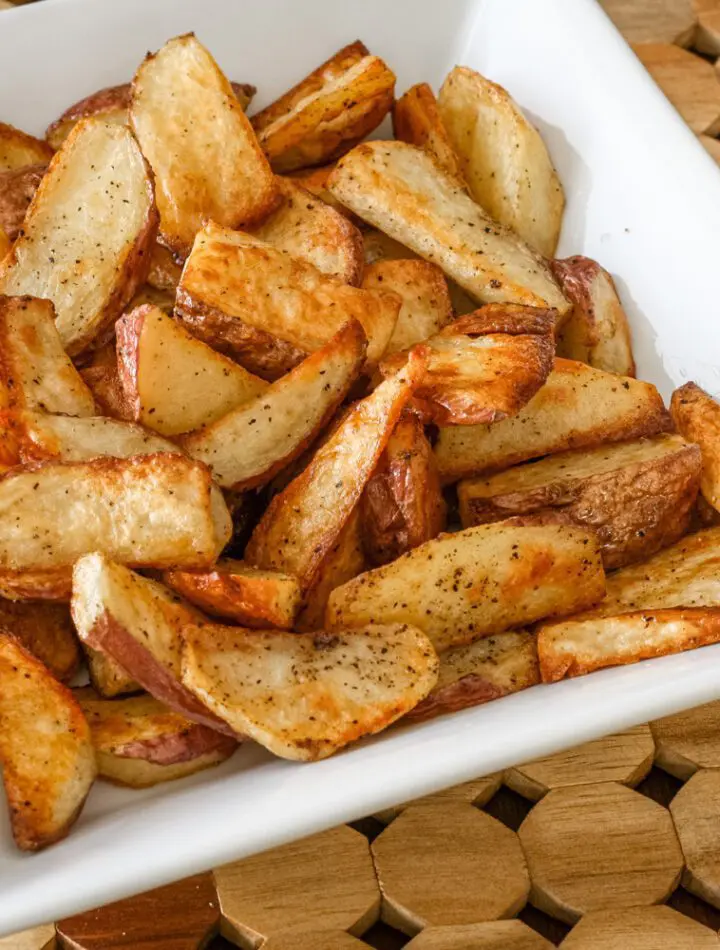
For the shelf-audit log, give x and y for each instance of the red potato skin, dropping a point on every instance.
(16, 192)
(471, 690)
(170, 750)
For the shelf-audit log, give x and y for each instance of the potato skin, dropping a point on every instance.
(16, 192)
(46, 631)
(697, 416)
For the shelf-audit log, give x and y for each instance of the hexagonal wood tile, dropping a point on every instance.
(478, 793)
(653, 21)
(315, 940)
(688, 741)
(696, 813)
(640, 928)
(497, 935)
(39, 938)
(689, 82)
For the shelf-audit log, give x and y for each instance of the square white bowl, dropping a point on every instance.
(642, 199)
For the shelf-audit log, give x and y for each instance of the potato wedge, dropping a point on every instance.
(402, 505)
(233, 589)
(5, 244)
(597, 330)
(101, 377)
(480, 581)
(48, 762)
(250, 444)
(335, 687)
(89, 265)
(18, 149)
(148, 511)
(426, 304)
(484, 366)
(503, 158)
(17, 189)
(327, 112)
(314, 232)
(268, 309)
(148, 295)
(46, 631)
(401, 190)
(53, 585)
(303, 522)
(164, 273)
(108, 678)
(140, 742)
(577, 407)
(637, 496)
(172, 382)
(417, 121)
(35, 370)
(200, 145)
(697, 416)
(480, 672)
(314, 180)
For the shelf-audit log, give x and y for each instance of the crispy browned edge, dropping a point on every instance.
(416, 117)
(218, 594)
(52, 585)
(9, 130)
(16, 192)
(101, 377)
(46, 631)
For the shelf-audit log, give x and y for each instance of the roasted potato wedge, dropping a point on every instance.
(5, 244)
(17, 189)
(503, 158)
(401, 190)
(480, 672)
(89, 265)
(417, 121)
(402, 505)
(268, 309)
(480, 581)
(250, 444)
(697, 416)
(53, 585)
(314, 180)
(164, 273)
(336, 687)
(637, 496)
(327, 112)
(101, 377)
(149, 511)
(577, 407)
(200, 145)
(140, 742)
(596, 331)
(108, 678)
(172, 382)
(18, 149)
(303, 522)
(35, 370)
(46, 630)
(484, 366)
(48, 763)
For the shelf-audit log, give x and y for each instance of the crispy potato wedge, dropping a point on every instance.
(314, 232)
(89, 265)
(250, 444)
(172, 382)
(697, 416)
(335, 687)
(108, 678)
(417, 121)
(46, 630)
(5, 244)
(401, 190)
(268, 309)
(314, 180)
(327, 112)
(52, 585)
(140, 742)
(484, 366)
(35, 370)
(503, 158)
(477, 582)
(200, 145)
(480, 672)
(247, 595)
(149, 511)
(637, 496)
(303, 522)
(17, 189)
(577, 407)
(48, 762)
(18, 149)
(596, 331)
(402, 505)
(101, 377)
(164, 273)
(426, 304)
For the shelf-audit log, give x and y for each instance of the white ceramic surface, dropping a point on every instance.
(643, 198)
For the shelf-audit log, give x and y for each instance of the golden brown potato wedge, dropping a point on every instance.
(314, 180)
(249, 445)
(48, 762)
(335, 687)
(18, 149)
(637, 496)
(327, 112)
(303, 522)
(5, 244)
(596, 331)
(53, 585)
(268, 309)
(417, 121)
(35, 370)
(164, 273)
(480, 672)
(172, 382)
(402, 505)
(477, 582)
(17, 189)
(200, 145)
(101, 377)
(149, 511)
(46, 630)
(401, 190)
(140, 742)
(577, 407)
(503, 158)
(108, 678)
(697, 416)
(233, 589)
(89, 265)
(484, 366)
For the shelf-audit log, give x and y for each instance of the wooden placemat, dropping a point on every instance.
(614, 845)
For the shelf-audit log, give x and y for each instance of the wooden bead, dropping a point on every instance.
(591, 847)
(326, 882)
(626, 758)
(447, 866)
(39, 938)
(315, 940)
(690, 83)
(478, 793)
(707, 34)
(689, 740)
(640, 928)
(653, 21)
(696, 813)
(497, 935)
